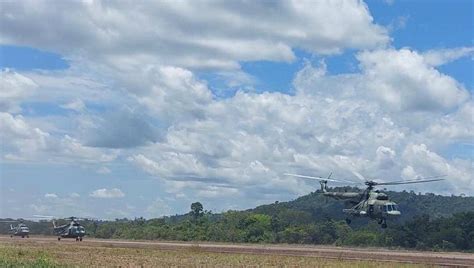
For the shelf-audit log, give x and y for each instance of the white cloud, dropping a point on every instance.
(403, 81)
(454, 127)
(74, 195)
(391, 120)
(18, 138)
(331, 124)
(50, 196)
(385, 157)
(14, 87)
(158, 208)
(39, 208)
(438, 57)
(104, 170)
(203, 34)
(20, 141)
(217, 192)
(120, 129)
(76, 105)
(423, 161)
(107, 193)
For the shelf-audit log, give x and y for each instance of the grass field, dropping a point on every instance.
(77, 255)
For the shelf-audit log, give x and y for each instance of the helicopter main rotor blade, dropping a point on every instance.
(317, 178)
(359, 176)
(412, 181)
(43, 217)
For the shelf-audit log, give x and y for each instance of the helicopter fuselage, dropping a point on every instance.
(73, 230)
(376, 206)
(370, 203)
(21, 230)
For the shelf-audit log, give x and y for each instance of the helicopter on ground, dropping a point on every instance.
(369, 203)
(73, 229)
(20, 230)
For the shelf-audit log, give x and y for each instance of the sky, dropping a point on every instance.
(114, 109)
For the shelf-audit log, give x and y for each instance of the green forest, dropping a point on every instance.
(428, 222)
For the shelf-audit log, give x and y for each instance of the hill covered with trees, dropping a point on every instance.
(428, 221)
(317, 207)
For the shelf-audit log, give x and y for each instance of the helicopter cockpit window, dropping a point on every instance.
(390, 207)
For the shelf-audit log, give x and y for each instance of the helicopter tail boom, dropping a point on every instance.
(343, 195)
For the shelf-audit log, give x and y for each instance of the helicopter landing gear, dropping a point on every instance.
(383, 222)
(348, 221)
(27, 236)
(77, 239)
(22, 236)
(80, 239)
(11, 236)
(59, 238)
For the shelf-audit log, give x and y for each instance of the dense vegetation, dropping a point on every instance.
(429, 222)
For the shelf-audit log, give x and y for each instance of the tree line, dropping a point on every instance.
(306, 220)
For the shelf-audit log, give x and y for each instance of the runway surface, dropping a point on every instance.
(400, 256)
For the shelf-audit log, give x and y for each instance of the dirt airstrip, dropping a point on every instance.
(324, 252)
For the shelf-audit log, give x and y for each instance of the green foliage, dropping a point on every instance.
(306, 220)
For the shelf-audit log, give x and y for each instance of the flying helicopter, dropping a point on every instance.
(369, 203)
(20, 230)
(73, 229)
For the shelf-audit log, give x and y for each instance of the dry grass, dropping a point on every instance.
(30, 254)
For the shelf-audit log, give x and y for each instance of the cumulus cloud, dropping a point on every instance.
(385, 157)
(405, 82)
(174, 93)
(332, 123)
(107, 193)
(424, 161)
(14, 87)
(205, 34)
(51, 196)
(120, 129)
(454, 127)
(390, 120)
(21, 141)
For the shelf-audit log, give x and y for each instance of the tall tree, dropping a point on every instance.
(196, 210)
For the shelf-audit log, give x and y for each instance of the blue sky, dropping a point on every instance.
(412, 24)
(119, 119)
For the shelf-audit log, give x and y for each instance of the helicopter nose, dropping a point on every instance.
(394, 213)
